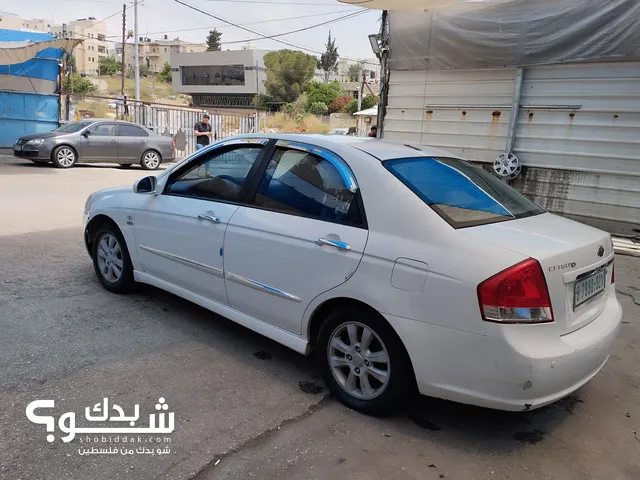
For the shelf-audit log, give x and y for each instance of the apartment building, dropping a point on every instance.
(94, 46)
(155, 53)
(9, 21)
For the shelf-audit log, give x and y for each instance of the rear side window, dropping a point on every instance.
(461, 193)
(125, 130)
(301, 183)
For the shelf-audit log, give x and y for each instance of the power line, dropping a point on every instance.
(267, 2)
(271, 37)
(226, 25)
(204, 12)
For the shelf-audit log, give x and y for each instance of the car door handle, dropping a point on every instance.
(209, 217)
(113, 141)
(333, 243)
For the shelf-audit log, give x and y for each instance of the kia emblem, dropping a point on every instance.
(600, 251)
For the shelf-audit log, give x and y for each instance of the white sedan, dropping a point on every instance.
(400, 266)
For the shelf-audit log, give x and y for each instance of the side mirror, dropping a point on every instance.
(146, 185)
(86, 134)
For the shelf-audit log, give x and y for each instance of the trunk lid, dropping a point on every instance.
(571, 255)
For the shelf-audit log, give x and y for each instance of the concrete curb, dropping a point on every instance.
(626, 246)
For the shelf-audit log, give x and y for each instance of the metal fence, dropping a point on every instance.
(169, 120)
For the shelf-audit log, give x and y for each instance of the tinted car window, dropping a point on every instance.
(131, 131)
(219, 176)
(301, 183)
(73, 127)
(461, 193)
(103, 130)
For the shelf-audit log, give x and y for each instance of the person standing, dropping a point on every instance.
(202, 130)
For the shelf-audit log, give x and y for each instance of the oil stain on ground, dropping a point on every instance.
(532, 437)
(422, 422)
(310, 387)
(262, 355)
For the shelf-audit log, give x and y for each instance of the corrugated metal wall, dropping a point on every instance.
(578, 131)
(453, 110)
(25, 113)
(587, 159)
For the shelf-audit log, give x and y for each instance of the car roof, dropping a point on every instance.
(380, 149)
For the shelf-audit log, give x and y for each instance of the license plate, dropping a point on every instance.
(589, 287)
(17, 148)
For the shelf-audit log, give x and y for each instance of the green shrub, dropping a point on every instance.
(318, 108)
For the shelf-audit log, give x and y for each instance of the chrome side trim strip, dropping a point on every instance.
(218, 272)
(247, 282)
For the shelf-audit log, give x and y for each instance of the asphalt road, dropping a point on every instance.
(244, 406)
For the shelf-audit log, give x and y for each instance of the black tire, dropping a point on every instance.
(147, 163)
(126, 165)
(401, 384)
(64, 157)
(125, 283)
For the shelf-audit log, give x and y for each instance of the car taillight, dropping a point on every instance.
(518, 294)
(613, 273)
(173, 143)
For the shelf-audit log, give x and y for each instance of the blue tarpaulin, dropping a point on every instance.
(43, 66)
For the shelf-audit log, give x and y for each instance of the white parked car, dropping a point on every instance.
(400, 266)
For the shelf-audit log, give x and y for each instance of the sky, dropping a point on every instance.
(267, 17)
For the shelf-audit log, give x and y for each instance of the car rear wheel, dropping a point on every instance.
(111, 260)
(363, 361)
(64, 157)
(151, 160)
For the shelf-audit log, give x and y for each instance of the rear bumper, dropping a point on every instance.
(513, 367)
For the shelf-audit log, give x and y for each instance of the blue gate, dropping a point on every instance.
(24, 113)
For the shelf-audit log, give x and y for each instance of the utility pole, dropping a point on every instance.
(361, 92)
(124, 32)
(137, 60)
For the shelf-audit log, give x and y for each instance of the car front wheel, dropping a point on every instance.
(64, 157)
(111, 260)
(363, 361)
(151, 160)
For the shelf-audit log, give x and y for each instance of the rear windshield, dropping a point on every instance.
(461, 193)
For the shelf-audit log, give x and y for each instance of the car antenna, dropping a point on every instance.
(411, 146)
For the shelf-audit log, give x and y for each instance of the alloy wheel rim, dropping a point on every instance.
(66, 157)
(359, 360)
(151, 160)
(110, 261)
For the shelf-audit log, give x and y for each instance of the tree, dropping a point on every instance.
(71, 63)
(354, 72)
(76, 84)
(329, 59)
(109, 66)
(323, 92)
(339, 103)
(164, 75)
(262, 102)
(318, 108)
(288, 74)
(369, 101)
(213, 41)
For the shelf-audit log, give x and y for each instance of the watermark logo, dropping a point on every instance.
(123, 428)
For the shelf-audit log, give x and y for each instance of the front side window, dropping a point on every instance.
(73, 127)
(461, 193)
(302, 183)
(125, 130)
(103, 130)
(217, 176)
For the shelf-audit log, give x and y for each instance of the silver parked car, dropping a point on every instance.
(97, 140)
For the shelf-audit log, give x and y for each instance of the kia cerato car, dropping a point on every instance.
(402, 267)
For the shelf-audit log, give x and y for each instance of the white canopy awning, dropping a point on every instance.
(12, 53)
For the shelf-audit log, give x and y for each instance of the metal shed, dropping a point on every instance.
(554, 93)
